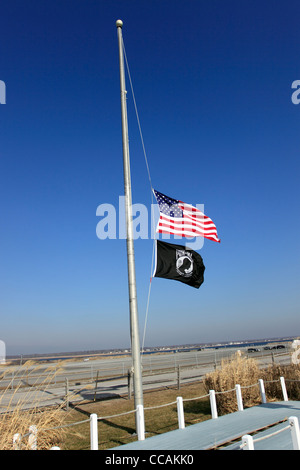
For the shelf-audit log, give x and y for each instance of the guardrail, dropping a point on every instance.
(32, 375)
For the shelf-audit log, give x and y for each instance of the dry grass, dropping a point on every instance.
(291, 374)
(112, 431)
(245, 372)
(237, 370)
(121, 430)
(16, 419)
(20, 421)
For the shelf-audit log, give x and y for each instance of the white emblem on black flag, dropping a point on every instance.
(184, 263)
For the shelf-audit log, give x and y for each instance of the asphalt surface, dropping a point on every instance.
(42, 385)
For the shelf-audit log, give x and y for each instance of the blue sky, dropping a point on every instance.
(212, 81)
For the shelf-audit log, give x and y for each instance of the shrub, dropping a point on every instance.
(235, 370)
(271, 377)
(246, 372)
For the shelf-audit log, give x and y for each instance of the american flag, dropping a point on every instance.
(179, 218)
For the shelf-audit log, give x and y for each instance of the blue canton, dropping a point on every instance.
(168, 206)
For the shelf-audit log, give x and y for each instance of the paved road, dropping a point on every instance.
(106, 367)
(56, 394)
(43, 385)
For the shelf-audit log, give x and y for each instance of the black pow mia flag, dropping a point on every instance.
(178, 263)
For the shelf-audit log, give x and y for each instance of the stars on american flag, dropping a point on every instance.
(167, 205)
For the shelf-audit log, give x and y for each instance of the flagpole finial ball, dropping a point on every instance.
(119, 23)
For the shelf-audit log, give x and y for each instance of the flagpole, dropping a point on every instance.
(134, 324)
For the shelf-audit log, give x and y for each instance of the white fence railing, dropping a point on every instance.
(247, 440)
(293, 426)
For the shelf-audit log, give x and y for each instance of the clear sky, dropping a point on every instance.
(212, 81)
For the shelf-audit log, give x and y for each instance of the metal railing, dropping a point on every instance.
(33, 375)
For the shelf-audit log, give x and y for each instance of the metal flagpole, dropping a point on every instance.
(134, 324)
